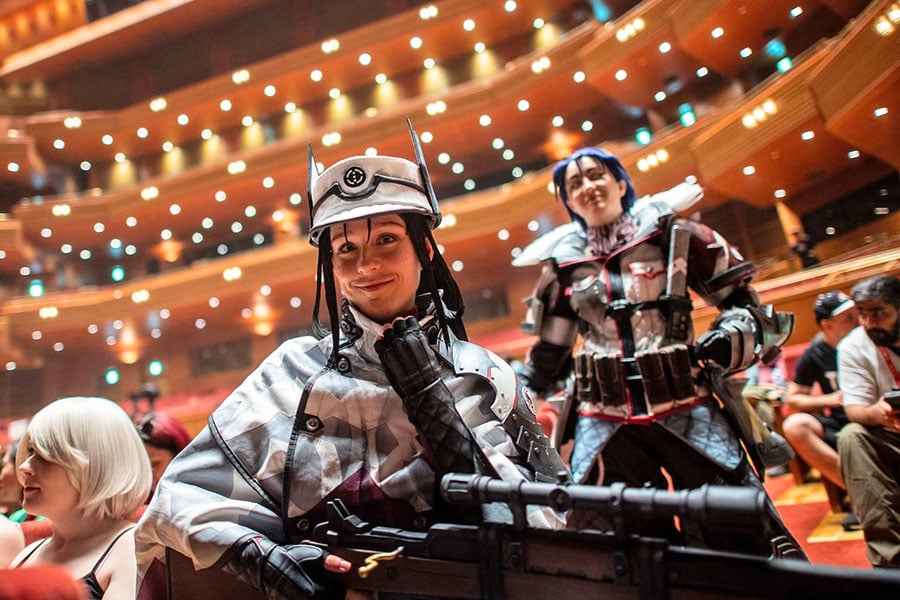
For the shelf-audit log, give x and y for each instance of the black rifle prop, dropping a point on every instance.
(512, 560)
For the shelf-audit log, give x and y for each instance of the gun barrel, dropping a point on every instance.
(718, 507)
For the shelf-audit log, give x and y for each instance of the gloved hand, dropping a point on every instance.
(413, 370)
(409, 362)
(717, 346)
(283, 572)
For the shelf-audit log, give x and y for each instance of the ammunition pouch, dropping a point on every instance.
(653, 382)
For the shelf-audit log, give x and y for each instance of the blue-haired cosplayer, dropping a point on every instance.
(372, 410)
(612, 312)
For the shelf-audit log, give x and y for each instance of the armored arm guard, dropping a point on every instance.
(745, 332)
(550, 359)
(414, 373)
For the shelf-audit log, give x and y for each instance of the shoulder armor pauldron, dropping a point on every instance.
(565, 243)
(473, 359)
(514, 408)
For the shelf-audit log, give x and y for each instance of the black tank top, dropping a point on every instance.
(95, 592)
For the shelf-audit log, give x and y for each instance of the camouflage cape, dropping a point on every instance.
(355, 442)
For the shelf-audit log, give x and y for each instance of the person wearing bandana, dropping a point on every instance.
(386, 398)
(647, 404)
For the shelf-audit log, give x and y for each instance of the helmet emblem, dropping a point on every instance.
(354, 176)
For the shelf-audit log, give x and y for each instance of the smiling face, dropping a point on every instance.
(376, 266)
(593, 192)
(48, 491)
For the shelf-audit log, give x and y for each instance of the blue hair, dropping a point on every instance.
(612, 164)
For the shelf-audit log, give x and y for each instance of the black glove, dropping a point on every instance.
(413, 370)
(283, 572)
(716, 346)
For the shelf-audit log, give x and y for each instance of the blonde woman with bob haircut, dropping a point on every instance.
(83, 465)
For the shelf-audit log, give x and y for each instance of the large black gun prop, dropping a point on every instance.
(512, 560)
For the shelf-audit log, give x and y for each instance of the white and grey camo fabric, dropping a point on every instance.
(364, 449)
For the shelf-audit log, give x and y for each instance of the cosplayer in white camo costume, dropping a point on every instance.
(620, 285)
(242, 496)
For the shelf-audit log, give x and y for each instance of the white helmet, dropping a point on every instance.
(364, 186)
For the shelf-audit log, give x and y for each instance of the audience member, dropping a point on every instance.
(813, 431)
(803, 248)
(164, 437)
(83, 465)
(765, 388)
(869, 447)
(373, 412)
(10, 488)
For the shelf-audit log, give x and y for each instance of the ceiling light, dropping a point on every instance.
(183, 119)
(469, 24)
(365, 59)
(225, 105)
(415, 42)
(665, 47)
(158, 104)
(329, 46)
(59, 144)
(315, 75)
(241, 76)
(106, 140)
(269, 90)
(717, 33)
(621, 75)
(579, 77)
(142, 132)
